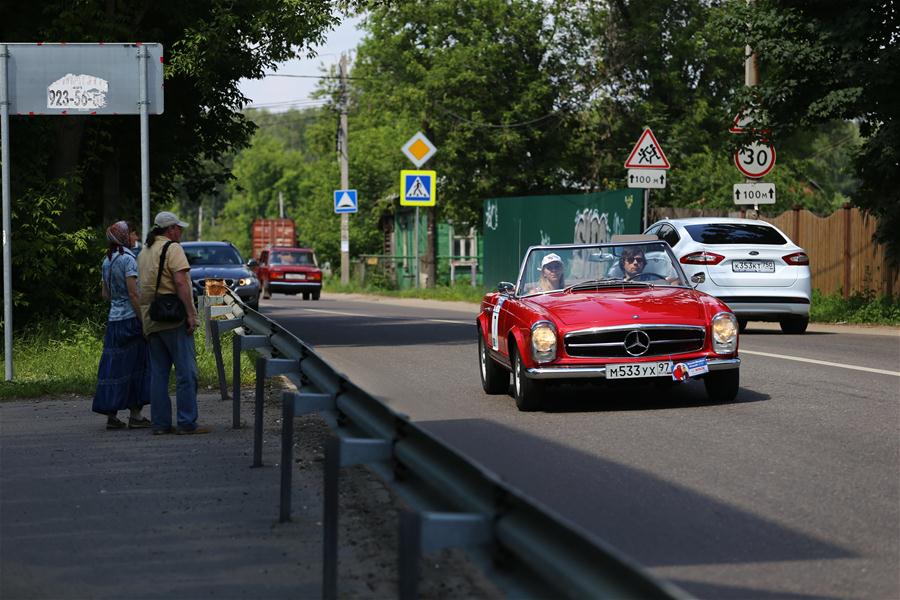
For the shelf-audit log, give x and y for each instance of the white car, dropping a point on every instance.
(750, 265)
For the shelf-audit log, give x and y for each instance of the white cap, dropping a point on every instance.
(549, 259)
(167, 219)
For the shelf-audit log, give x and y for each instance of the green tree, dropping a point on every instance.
(826, 61)
(210, 45)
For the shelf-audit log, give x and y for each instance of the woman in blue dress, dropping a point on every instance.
(123, 377)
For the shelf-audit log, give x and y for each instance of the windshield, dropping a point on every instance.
(292, 258)
(570, 268)
(212, 255)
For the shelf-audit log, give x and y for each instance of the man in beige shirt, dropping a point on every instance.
(170, 343)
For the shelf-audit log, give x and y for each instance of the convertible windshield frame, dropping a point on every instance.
(608, 247)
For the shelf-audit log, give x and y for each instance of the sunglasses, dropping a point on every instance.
(554, 267)
(636, 259)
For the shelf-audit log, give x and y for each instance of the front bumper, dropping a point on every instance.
(715, 364)
(294, 286)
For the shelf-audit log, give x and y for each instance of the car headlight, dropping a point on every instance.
(245, 280)
(543, 341)
(724, 333)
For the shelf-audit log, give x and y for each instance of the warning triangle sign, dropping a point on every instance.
(417, 190)
(345, 201)
(647, 154)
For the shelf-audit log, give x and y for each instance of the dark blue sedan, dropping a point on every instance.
(221, 260)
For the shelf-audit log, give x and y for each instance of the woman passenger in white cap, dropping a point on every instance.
(552, 275)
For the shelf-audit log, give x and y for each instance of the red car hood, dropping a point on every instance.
(618, 306)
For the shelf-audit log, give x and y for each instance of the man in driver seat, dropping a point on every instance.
(632, 263)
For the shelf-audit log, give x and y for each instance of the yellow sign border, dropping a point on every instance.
(404, 174)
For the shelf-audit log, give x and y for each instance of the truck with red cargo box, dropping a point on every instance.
(272, 232)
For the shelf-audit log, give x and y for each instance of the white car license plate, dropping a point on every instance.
(753, 266)
(294, 276)
(635, 370)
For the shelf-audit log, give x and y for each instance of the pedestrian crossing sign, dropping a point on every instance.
(345, 201)
(417, 188)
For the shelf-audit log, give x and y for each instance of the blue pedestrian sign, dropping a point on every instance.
(345, 201)
(417, 188)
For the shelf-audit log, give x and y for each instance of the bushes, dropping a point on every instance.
(858, 308)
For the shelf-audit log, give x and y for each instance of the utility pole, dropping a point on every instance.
(281, 204)
(751, 79)
(200, 222)
(345, 174)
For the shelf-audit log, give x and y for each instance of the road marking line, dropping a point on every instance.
(335, 312)
(449, 321)
(823, 362)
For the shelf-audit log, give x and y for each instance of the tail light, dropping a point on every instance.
(798, 259)
(701, 258)
(317, 276)
(276, 275)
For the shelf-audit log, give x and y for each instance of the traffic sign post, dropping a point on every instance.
(420, 192)
(345, 201)
(647, 165)
(755, 159)
(419, 149)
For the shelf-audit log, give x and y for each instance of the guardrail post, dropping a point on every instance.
(424, 532)
(265, 368)
(342, 453)
(215, 331)
(293, 404)
(239, 343)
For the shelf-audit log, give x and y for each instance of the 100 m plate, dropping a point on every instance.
(637, 370)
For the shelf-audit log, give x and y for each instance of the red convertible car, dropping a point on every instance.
(615, 311)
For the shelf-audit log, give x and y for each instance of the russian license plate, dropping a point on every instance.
(753, 266)
(635, 370)
(294, 276)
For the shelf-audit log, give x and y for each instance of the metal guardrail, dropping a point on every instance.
(525, 548)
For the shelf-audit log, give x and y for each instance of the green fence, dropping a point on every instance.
(511, 225)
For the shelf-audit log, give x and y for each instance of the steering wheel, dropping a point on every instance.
(648, 276)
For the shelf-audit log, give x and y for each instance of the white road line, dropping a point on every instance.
(335, 312)
(823, 362)
(449, 321)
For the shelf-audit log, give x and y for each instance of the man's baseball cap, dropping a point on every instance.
(549, 259)
(167, 219)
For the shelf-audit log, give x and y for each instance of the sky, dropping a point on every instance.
(278, 94)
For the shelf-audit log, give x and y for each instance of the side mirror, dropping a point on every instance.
(505, 287)
(698, 278)
(252, 263)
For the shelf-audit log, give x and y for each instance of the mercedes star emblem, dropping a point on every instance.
(637, 342)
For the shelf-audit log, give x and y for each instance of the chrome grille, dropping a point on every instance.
(610, 343)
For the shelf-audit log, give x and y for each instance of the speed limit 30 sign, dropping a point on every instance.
(755, 159)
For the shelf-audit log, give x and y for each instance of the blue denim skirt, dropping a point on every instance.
(123, 377)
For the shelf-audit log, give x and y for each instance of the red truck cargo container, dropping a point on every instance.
(272, 232)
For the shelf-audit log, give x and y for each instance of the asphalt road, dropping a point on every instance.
(790, 491)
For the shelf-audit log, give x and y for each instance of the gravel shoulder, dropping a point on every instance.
(90, 513)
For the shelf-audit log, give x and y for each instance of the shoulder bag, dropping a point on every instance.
(167, 308)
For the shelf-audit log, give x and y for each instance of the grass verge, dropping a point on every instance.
(62, 358)
(864, 309)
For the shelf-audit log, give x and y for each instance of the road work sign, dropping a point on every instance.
(417, 188)
(345, 201)
(754, 193)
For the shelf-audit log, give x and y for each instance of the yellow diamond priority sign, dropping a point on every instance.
(419, 149)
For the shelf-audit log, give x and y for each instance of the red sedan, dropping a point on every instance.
(615, 311)
(289, 271)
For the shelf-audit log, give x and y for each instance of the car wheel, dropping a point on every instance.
(742, 325)
(794, 324)
(306, 295)
(267, 293)
(494, 378)
(316, 294)
(722, 386)
(529, 393)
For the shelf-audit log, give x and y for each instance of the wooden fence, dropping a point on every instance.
(842, 254)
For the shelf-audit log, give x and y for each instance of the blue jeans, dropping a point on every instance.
(167, 348)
